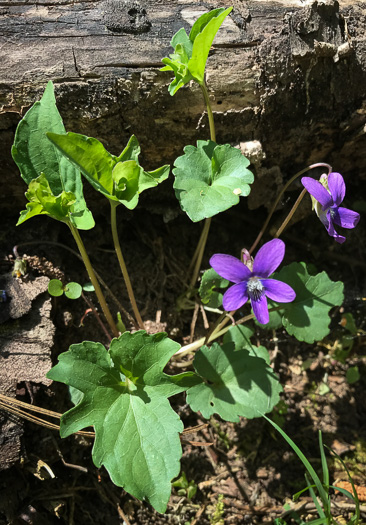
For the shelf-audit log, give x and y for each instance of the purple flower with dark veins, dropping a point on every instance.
(252, 279)
(328, 193)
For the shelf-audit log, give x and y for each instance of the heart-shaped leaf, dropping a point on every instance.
(235, 383)
(125, 398)
(307, 317)
(34, 154)
(210, 179)
(121, 179)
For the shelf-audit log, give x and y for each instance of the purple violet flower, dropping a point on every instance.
(328, 193)
(252, 282)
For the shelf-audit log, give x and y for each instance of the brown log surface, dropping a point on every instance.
(289, 74)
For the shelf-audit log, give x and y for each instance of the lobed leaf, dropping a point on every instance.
(125, 395)
(120, 179)
(210, 179)
(34, 154)
(234, 383)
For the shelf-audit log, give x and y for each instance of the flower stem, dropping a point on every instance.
(288, 183)
(94, 280)
(188, 349)
(122, 264)
(292, 211)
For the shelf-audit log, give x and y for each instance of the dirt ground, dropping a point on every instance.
(249, 473)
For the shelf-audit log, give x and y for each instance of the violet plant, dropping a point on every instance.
(123, 389)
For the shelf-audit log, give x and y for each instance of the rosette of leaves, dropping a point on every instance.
(210, 178)
(188, 62)
(58, 190)
(125, 398)
(121, 179)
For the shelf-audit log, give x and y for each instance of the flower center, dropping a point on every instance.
(332, 212)
(255, 288)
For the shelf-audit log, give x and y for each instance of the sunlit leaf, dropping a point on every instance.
(234, 383)
(125, 398)
(34, 154)
(210, 179)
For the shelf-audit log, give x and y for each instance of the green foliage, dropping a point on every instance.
(353, 375)
(210, 179)
(188, 62)
(55, 288)
(120, 179)
(307, 317)
(209, 283)
(125, 398)
(185, 488)
(43, 202)
(71, 290)
(234, 383)
(240, 335)
(34, 155)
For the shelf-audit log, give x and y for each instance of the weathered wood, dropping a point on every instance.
(289, 74)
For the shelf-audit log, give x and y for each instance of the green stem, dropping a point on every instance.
(122, 264)
(198, 254)
(312, 166)
(200, 251)
(94, 279)
(209, 112)
(192, 347)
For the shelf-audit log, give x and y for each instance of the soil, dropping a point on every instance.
(247, 474)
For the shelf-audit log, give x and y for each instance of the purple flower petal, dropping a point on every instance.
(260, 309)
(337, 187)
(346, 218)
(318, 191)
(330, 229)
(230, 268)
(235, 297)
(278, 291)
(268, 258)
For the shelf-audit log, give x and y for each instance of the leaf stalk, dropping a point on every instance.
(94, 280)
(122, 264)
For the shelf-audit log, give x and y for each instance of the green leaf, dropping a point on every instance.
(125, 399)
(210, 179)
(88, 287)
(188, 62)
(43, 202)
(209, 283)
(202, 35)
(120, 179)
(73, 290)
(178, 61)
(234, 383)
(307, 317)
(240, 335)
(55, 288)
(353, 375)
(34, 154)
